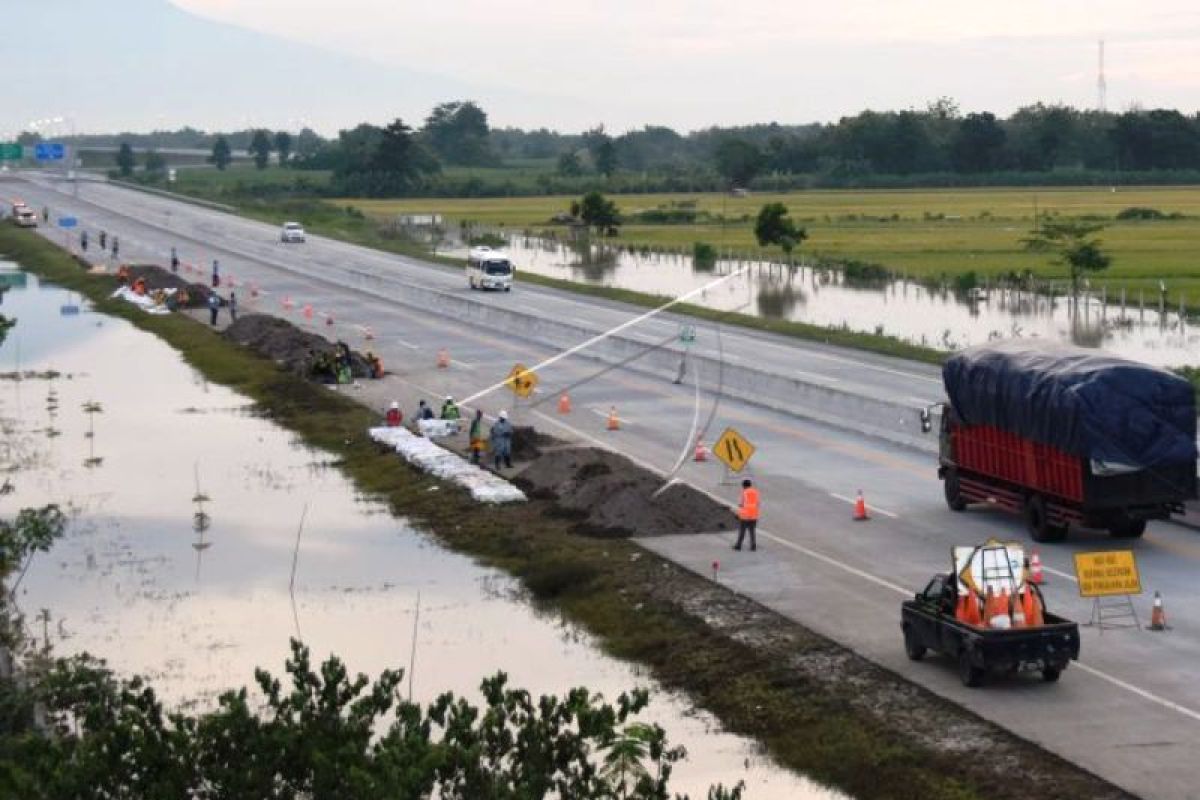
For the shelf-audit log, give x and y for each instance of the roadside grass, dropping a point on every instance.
(612, 588)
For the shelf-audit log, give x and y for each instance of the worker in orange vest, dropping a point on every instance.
(747, 515)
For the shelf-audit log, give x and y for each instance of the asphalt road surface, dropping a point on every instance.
(1129, 710)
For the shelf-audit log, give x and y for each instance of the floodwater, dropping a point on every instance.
(912, 312)
(196, 603)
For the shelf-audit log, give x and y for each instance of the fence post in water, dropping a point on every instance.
(1122, 303)
(1141, 305)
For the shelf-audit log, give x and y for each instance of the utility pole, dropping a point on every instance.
(1101, 84)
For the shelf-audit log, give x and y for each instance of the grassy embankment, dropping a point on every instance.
(610, 587)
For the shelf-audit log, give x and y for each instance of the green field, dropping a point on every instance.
(917, 232)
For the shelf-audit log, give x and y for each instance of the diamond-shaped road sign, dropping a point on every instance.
(522, 380)
(733, 449)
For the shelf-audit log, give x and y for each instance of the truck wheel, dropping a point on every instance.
(1050, 674)
(912, 648)
(970, 675)
(950, 486)
(1038, 522)
(1128, 528)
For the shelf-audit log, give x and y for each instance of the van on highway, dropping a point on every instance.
(489, 269)
(292, 232)
(24, 216)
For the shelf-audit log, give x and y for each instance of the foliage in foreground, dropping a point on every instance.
(323, 733)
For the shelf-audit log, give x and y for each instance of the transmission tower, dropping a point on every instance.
(1101, 84)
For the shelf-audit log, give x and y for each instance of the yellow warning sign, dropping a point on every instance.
(733, 449)
(522, 380)
(1107, 573)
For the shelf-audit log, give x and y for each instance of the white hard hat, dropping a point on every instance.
(503, 415)
(395, 404)
(449, 399)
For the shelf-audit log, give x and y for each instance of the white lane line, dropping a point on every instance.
(1142, 693)
(462, 364)
(870, 508)
(620, 418)
(921, 400)
(817, 376)
(1066, 575)
(403, 343)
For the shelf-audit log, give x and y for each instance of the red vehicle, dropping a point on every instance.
(1067, 437)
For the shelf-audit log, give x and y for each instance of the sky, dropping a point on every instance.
(573, 65)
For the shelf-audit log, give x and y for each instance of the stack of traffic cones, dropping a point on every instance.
(564, 403)
(1158, 617)
(1035, 569)
(614, 424)
(860, 508)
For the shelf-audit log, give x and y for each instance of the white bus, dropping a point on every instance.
(489, 269)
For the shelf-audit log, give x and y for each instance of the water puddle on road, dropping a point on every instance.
(915, 313)
(127, 436)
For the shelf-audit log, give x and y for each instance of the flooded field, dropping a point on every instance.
(184, 517)
(910, 311)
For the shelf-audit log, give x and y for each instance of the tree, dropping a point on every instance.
(221, 153)
(126, 160)
(737, 161)
(458, 133)
(283, 146)
(978, 143)
(260, 148)
(155, 164)
(774, 226)
(602, 150)
(569, 165)
(597, 211)
(1073, 244)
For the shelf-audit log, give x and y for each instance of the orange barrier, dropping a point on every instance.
(564, 403)
(614, 424)
(860, 508)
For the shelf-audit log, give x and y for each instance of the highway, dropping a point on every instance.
(1129, 710)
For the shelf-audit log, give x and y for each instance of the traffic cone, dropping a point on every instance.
(1158, 617)
(701, 452)
(860, 508)
(1016, 611)
(973, 614)
(1030, 607)
(564, 403)
(614, 424)
(443, 358)
(308, 311)
(1035, 569)
(287, 303)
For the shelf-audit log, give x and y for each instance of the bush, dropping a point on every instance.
(857, 271)
(1138, 212)
(704, 256)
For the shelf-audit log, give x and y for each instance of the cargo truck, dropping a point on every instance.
(1066, 436)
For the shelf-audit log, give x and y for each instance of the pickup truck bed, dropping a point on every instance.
(928, 623)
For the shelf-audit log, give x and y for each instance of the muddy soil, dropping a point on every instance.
(609, 495)
(159, 278)
(287, 345)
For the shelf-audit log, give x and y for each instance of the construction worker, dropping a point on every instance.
(747, 515)
(214, 308)
(449, 409)
(103, 238)
(423, 411)
(475, 436)
(216, 274)
(500, 440)
(174, 260)
(116, 247)
(394, 415)
(233, 307)
(83, 240)
(375, 364)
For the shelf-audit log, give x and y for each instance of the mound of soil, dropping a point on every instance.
(527, 443)
(284, 343)
(612, 496)
(159, 278)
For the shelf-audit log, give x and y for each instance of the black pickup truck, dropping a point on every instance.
(928, 623)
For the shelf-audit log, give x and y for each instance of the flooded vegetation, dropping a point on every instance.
(191, 516)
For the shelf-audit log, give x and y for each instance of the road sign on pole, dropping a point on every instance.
(11, 151)
(733, 449)
(49, 151)
(522, 380)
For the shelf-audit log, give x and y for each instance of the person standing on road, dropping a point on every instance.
(83, 241)
(747, 515)
(232, 307)
(174, 260)
(450, 409)
(216, 275)
(103, 237)
(116, 247)
(500, 439)
(475, 436)
(214, 307)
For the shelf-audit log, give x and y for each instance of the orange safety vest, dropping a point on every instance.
(749, 507)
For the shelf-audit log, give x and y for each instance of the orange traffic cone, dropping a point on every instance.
(1035, 569)
(701, 452)
(287, 303)
(1032, 607)
(1016, 610)
(443, 358)
(973, 615)
(614, 424)
(1158, 617)
(860, 508)
(308, 311)
(564, 403)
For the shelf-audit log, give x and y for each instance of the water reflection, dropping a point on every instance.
(181, 554)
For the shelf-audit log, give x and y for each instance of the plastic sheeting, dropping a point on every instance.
(144, 302)
(484, 486)
(1084, 403)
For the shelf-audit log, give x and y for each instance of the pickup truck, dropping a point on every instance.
(928, 623)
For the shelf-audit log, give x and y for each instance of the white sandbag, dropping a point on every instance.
(426, 455)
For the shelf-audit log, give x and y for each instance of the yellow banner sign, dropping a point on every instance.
(733, 449)
(522, 380)
(1107, 573)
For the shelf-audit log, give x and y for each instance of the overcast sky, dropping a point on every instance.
(570, 65)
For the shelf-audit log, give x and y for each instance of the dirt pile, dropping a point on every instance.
(609, 495)
(295, 349)
(159, 278)
(527, 443)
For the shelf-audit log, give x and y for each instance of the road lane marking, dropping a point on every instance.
(853, 500)
(462, 364)
(1142, 693)
(403, 343)
(817, 376)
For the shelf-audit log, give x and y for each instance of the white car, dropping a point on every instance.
(292, 232)
(24, 216)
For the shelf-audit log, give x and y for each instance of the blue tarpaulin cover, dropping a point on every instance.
(1084, 403)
